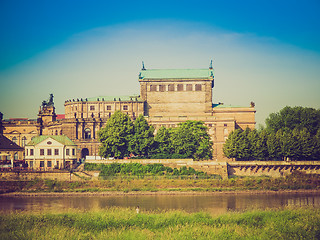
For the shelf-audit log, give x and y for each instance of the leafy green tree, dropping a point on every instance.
(288, 147)
(253, 138)
(290, 118)
(274, 145)
(235, 145)
(115, 136)
(261, 152)
(142, 141)
(307, 145)
(163, 140)
(316, 152)
(191, 138)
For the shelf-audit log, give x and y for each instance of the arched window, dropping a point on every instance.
(56, 132)
(14, 139)
(87, 133)
(24, 141)
(84, 153)
(16, 156)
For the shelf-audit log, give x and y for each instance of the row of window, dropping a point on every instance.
(175, 87)
(42, 164)
(8, 157)
(50, 152)
(109, 108)
(23, 141)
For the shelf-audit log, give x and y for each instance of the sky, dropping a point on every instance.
(267, 52)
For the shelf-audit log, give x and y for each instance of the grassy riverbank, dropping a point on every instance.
(126, 184)
(124, 223)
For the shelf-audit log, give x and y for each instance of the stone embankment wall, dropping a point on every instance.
(224, 169)
(59, 176)
(272, 168)
(237, 168)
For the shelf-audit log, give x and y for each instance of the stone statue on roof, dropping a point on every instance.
(49, 102)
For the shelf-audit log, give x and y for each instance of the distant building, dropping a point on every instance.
(9, 152)
(47, 152)
(167, 97)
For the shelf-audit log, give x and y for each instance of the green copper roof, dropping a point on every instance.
(113, 98)
(176, 74)
(59, 138)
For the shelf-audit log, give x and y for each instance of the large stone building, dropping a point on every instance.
(167, 97)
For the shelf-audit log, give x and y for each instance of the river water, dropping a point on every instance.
(215, 204)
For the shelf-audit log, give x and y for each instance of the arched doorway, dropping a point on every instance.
(84, 153)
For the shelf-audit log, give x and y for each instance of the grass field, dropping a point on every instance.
(125, 223)
(295, 181)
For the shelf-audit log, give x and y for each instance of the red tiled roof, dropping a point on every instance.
(61, 116)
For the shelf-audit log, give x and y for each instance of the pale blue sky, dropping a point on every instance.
(263, 51)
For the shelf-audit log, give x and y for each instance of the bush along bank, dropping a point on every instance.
(137, 169)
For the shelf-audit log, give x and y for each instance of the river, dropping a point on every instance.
(215, 204)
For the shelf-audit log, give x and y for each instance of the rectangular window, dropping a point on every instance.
(67, 152)
(49, 164)
(57, 164)
(91, 108)
(125, 107)
(180, 87)
(171, 87)
(108, 107)
(31, 164)
(41, 152)
(49, 152)
(26, 153)
(225, 131)
(153, 88)
(198, 87)
(42, 164)
(56, 152)
(189, 87)
(162, 88)
(31, 152)
(73, 152)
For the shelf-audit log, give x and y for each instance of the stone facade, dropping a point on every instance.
(48, 152)
(167, 98)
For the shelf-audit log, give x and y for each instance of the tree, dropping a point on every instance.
(163, 141)
(115, 136)
(316, 152)
(142, 141)
(261, 152)
(287, 143)
(307, 145)
(253, 138)
(233, 146)
(191, 138)
(274, 145)
(290, 118)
